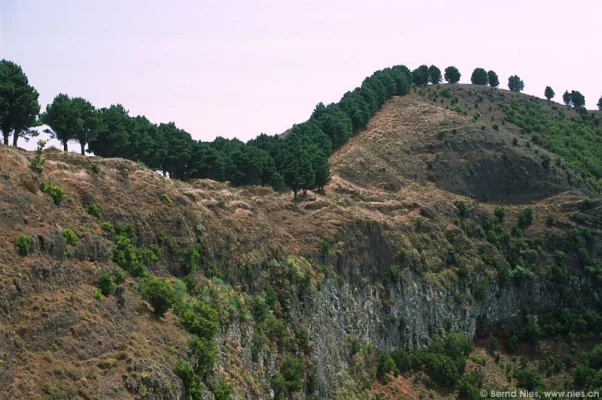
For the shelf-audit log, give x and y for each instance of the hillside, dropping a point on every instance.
(433, 231)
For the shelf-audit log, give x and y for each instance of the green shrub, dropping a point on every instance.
(500, 213)
(203, 351)
(462, 208)
(119, 275)
(190, 259)
(289, 379)
(94, 211)
(126, 256)
(394, 273)
(106, 284)
(496, 127)
(70, 236)
(55, 191)
(165, 198)
(192, 384)
(525, 218)
(221, 390)
(159, 293)
(95, 167)
(23, 244)
(37, 163)
(98, 294)
(200, 319)
(528, 378)
(550, 219)
(108, 227)
(386, 365)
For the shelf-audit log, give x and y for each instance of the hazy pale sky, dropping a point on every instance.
(239, 68)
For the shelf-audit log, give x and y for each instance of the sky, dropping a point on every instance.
(238, 68)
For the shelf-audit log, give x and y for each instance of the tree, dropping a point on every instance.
(90, 121)
(493, 79)
(452, 75)
(567, 99)
(421, 76)
(515, 84)
(62, 119)
(479, 77)
(577, 99)
(600, 103)
(19, 106)
(434, 75)
(159, 293)
(549, 93)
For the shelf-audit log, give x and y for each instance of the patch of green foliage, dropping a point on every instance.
(165, 198)
(55, 191)
(288, 379)
(37, 163)
(70, 236)
(95, 167)
(23, 244)
(159, 293)
(443, 361)
(106, 284)
(94, 211)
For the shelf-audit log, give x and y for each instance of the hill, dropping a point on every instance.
(432, 234)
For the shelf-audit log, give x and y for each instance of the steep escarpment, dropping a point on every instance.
(307, 296)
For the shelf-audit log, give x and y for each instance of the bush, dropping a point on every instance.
(55, 191)
(165, 198)
(94, 211)
(192, 384)
(221, 390)
(190, 259)
(95, 167)
(200, 319)
(106, 284)
(496, 127)
(386, 365)
(289, 379)
(23, 244)
(119, 275)
(525, 218)
(126, 256)
(528, 378)
(159, 293)
(462, 208)
(203, 351)
(108, 227)
(500, 213)
(37, 163)
(550, 219)
(70, 236)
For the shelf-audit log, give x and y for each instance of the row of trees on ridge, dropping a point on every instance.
(298, 160)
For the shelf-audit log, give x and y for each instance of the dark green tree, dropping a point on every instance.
(19, 106)
(63, 119)
(159, 293)
(420, 76)
(434, 75)
(452, 74)
(600, 103)
(549, 93)
(567, 99)
(113, 137)
(515, 84)
(89, 121)
(492, 78)
(577, 99)
(479, 77)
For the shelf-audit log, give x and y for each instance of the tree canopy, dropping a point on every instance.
(577, 99)
(421, 75)
(479, 77)
(600, 103)
(493, 79)
(452, 75)
(434, 75)
(19, 106)
(567, 99)
(549, 93)
(515, 84)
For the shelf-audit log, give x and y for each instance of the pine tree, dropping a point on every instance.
(549, 93)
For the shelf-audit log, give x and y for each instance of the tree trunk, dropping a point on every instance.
(15, 138)
(83, 147)
(5, 138)
(65, 148)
